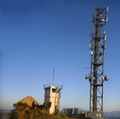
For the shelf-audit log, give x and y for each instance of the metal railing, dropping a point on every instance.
(53, 84)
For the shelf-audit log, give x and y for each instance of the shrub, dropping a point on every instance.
(63, 115)
(13, 114)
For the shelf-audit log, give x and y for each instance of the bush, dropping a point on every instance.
(20, 112)
(13, 114)
(63, 115)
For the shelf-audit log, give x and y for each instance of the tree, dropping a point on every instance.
(20, 106)
(63, 115)
(49, 104)
(44, 106)
(41, 107)
(56, 113)
(20, 110)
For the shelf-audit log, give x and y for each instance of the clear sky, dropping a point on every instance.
(35, 34)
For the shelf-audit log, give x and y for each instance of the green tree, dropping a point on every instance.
(20, 106)
(20, 109)
(63, 115)
(44, 106)
(41, 107)
(56, 113)
(49, 104)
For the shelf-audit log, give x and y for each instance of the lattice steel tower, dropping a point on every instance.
(97, 77)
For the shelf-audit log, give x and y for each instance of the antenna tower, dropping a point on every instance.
(53, 74)
(97, 77)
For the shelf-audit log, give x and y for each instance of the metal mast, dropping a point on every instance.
(53, 74)
(97, 77)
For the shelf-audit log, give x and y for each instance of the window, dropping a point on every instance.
(58, 91)
(47, 90)
(53, 90)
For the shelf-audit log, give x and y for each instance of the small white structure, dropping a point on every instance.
(53, 95)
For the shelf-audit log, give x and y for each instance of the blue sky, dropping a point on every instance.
(35, 34)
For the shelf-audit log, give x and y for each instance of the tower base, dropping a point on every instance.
(96, 115)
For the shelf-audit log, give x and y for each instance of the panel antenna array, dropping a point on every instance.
(97, 77)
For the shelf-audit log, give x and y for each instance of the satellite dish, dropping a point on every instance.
(86, 76)
(106, 78)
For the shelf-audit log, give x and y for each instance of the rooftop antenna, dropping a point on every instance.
(44, 80)
(53, 74)
(52, 93)
(87, 67)
(97, 77)
(62, 82)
